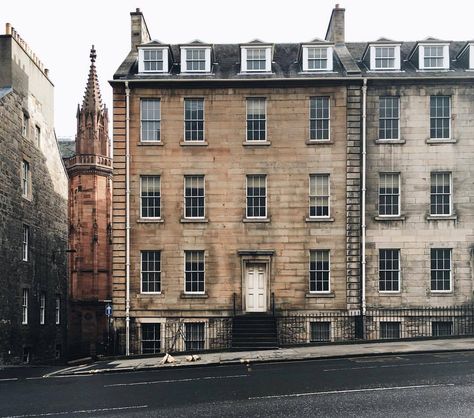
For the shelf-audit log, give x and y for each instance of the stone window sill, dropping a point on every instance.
(194, 221)
(442, 218)
(150, 143)
(441, 293)
(319, 142)
(319, 220)
(390, 141)
(396, 294)
(184, 295)
(440, 141)
(256, 220)
(256, 143)
(150, 295)
(389, 218)
(321, 295)
(193, 143)
(150, 221)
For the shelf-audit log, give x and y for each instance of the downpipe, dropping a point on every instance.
(127, 220)
(364, 189)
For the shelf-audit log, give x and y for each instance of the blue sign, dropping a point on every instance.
(108, 310)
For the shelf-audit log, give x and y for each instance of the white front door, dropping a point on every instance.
(256, 297)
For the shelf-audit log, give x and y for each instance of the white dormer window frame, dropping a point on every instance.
(471, 56)
(380, 52)
(323, 53)
(422, 55)
(144, 56)
(186, 59)
(245, 56)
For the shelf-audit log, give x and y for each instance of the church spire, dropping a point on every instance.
(92, 98)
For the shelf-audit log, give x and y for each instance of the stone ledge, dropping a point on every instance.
(256, 143)
(194, 221)
(389, 218)
(184, 295)
(319, 142)
(390, 141)
(440, 141)
(150, 221)
(320, 295)
(150, 143)
(310, 220)
(193, 143)
(255, 220)
(441, 218)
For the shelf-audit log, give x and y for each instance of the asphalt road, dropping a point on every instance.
(423, 385)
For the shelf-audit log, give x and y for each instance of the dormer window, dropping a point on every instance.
(256, 59)
(153, 60)
(195, 59)
(384, 57)
(317, 58)
(471, 56)
(434, 56)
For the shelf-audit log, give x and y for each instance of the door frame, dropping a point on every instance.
(256, 257)
(265, 265)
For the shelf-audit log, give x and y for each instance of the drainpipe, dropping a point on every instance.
(364, 188)
(127, 220)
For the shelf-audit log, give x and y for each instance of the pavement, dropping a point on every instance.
(267, 356)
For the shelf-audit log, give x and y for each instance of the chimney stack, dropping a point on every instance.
(139, 30)
(335, 32)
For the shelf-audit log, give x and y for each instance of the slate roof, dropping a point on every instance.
(67, 147)
(348, 61)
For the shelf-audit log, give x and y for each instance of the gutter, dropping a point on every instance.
(364, 188)
(127, 220)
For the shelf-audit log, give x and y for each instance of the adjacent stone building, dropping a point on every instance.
(33, 211)
(90, 193)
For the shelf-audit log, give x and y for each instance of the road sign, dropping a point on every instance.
(108, 310)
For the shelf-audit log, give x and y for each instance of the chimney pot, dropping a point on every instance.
(137, 10)
(8, 29)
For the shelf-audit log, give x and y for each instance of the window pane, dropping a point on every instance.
(320, 331)
(196, 59)
(194, 271)
(150, 197)
(319, 195)
(151, 338)
(440, 117)
(319, 271)
(194, 336)
(390, 330)
(194, 196)
(151, 271)
(317, 58)
(194, 119)
(441, 328)
(384, 57)
(256, 119)
(440, 194)
(389, 115)
(319, 118)
(389, 194)
(256, 196)
(389, 270)
(256, 59)
(153, 59)
(441, 269)
(150, 119)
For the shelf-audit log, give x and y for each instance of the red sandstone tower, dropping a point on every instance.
(90, 188)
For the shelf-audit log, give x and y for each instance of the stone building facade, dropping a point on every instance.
(33, 211)
(90, 193)
(321, 177)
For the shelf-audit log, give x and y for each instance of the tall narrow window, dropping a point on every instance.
(389, 118)
(42, 312)
(57, 310)
(194, 334)
(256, 119)
(24, 306)
(151, 272)
(150, 120)
(441, 194)
(153, 59)
(26, 242)
(256, 59)
(256, 196)
(25, 127)
(194, 119)
(25, 179)
(440, 117)
(319, 195)
(37, 135)
(194, 199)
(151, 338)
(319, 268)
(150, 190)
(441, 269)
(319, 118)
(194, 271)
(389, 194)
(196, 59)
(389, 270)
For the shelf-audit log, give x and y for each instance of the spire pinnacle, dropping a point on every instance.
(92, 98)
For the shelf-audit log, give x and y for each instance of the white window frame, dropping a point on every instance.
(57, 310)
(25, 299)
(161, 335)
(329, 271)
(421, 56)
(203, 292)
(195, 141)
(207, 56)
(450, 271)
(310, 196)
(399, 270)
(329, 60)
(471, 56)
(141, 58)
(42, 308)
(386, 118)
(268, 58)
(373, 61)
(449, 118)
(149, 99)
(451, 194)
(187, 176)
(26, 243)
(315, 140)
(156, 271)
(246, 196)
(141, 197)
(253, 141)
(25, 179)
(399, 194)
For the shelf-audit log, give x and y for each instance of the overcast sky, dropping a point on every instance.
(61, 32)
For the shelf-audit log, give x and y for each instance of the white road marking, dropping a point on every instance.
(11, 379)
(80, 411)
(334, 392)
(395, 365)
(153, 382)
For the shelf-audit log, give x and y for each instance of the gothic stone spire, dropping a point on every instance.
(92, 99)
